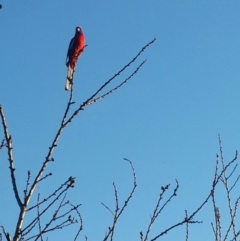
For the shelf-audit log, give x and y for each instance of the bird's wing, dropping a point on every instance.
(69, 49)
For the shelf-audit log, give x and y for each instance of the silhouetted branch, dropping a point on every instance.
(108, 208)
(27, 185)
(158, 209)
(118, 86)
(81, 221)
(186, 217)
(119, 211)
(38, 178)
(39, 219)
(7, 235)
(3, 144)
(225, 178)
(65, 186)
(8, 139)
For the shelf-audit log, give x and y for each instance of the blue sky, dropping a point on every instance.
(166, 120)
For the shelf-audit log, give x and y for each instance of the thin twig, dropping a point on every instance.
(187, 230)
(3, 144)
(7, 235)
(81, 221)
(38, 220)
(118, 86)
(119, 211)
(157, 209)
(10, 156)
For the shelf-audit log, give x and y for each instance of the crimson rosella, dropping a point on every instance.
(75, 48)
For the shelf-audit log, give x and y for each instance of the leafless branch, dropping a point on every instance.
(8, 139)
(27, 185)
(234, 169)
(234, 184)
(81, 221)
(186, 217)
(65, 186)
(3, 144)
(118, 210)
(39, 220)
(108, 208)
(158, 209)
(7, 235)
(118, 86)
(40, 173)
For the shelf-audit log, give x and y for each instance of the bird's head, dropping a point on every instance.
(78, 30)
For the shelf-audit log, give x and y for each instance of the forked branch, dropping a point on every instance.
(118, 211)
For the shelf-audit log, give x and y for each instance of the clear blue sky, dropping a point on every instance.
(166, 120)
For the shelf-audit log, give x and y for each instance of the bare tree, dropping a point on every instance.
(63, 215)
(53, 212)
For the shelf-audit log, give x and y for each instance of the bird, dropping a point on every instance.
(76, 47)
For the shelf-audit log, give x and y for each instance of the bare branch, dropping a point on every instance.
(67, 185)
(108, 208)
(51, 148)
(158, 210)
(234, 184)
(27, 185)
(186, 217)
(38, 219)
(225, 183)
(7, 235)
(119, 211)
(10, 156)
(42, 169)
(235, 167)
(3, 144)
(118, 86)
(81, 221)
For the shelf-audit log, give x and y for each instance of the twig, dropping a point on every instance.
(3, 144)
(119, 211)
(10, 156)
(27, 185)
(38, 220)
(67, 185)
(118, 86)
(7, 235)
(225, 183)
(81, 221)
(186, 217)
(158, 210)
(108, 208)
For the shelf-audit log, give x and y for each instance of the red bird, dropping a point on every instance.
(75, 49)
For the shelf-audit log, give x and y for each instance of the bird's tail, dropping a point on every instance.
(69, 80)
